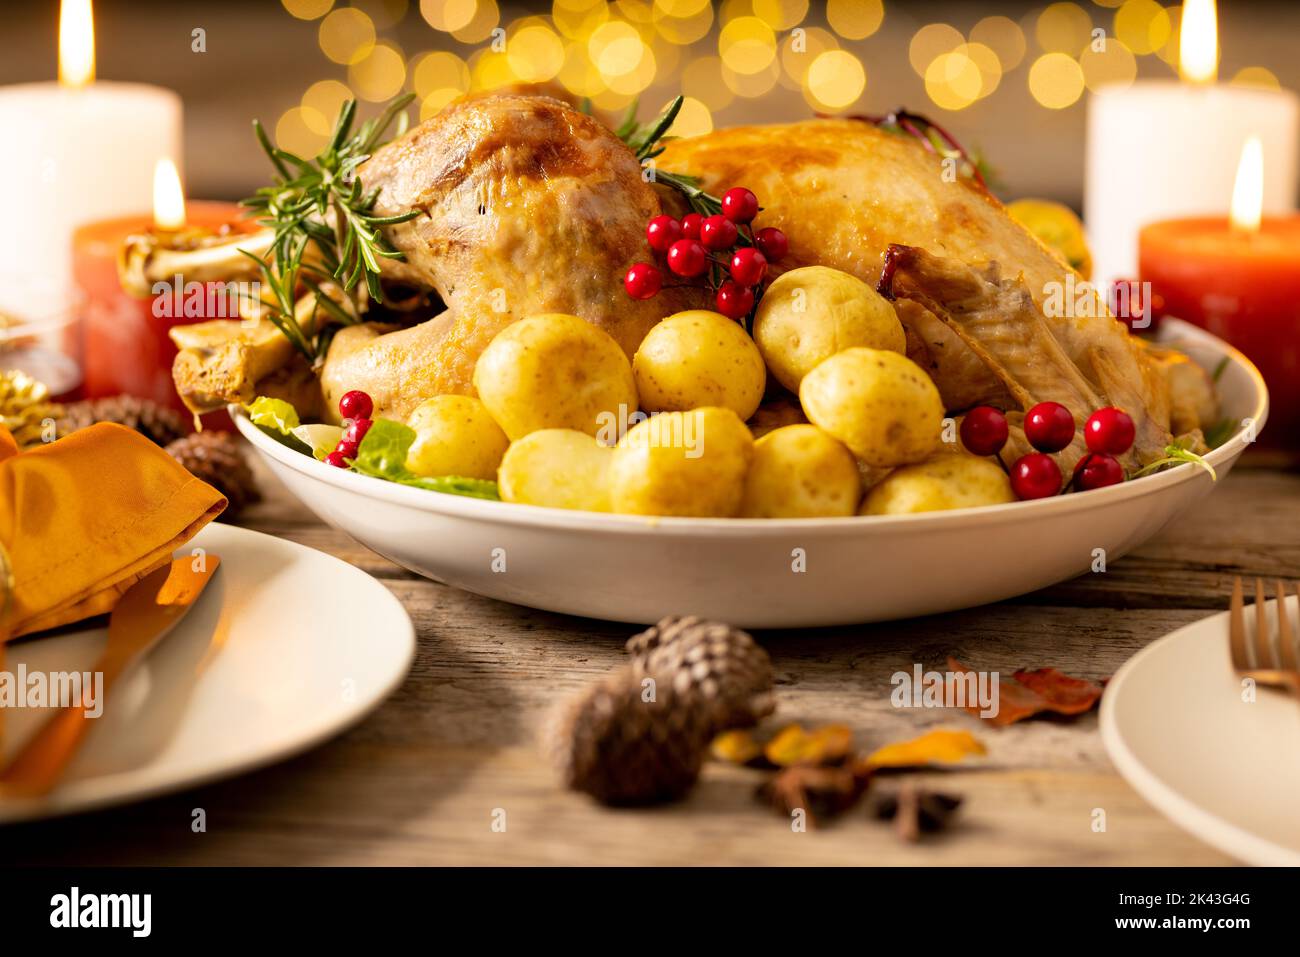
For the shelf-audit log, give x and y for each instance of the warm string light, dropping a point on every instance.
(613, 51)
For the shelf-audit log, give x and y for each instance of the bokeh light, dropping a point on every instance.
(695, 119)
(1056, 80)
(676, 8)
(321, 105)
(781, 15)
(292, 133)
(638, 78)
(931, 41)
(579, 75)
(448, 15)
(835, 80)
(438, 78)
(439, 70)
(988, 64)
(747, 45)
(535, 52)
(616, 48)
(686, 28)
(1004, 37)
(485, 19)
(489, 70)
(702, 80)
(347, 36)
(801, 48)
(751, 85)
(577, 19)
(1256, 76)
(1112, 65)
(308, 9)
(1143, 26)
(384, 13)
(953, 81)
(1169, 52)
(381, 75)
(1063, 28)
(855, 19)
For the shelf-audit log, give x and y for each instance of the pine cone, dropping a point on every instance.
(155, 422)
(216, 458)
(711, 662)
(610, 743)
(25, 407)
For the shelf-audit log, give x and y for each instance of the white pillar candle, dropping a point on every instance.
(87, 153)
(1162, 150)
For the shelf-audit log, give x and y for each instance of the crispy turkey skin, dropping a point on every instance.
(527, 206)
(845, 191)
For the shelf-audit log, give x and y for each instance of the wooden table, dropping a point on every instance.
(421, 780)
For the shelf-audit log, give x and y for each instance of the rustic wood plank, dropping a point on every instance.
(418, 781)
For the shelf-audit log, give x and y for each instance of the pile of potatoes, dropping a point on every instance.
(563, 419)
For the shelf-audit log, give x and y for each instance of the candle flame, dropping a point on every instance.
(1248, 190)
(168, 197)
(76, 43)
(1198, 42)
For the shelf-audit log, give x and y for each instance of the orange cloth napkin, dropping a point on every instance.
(86, 517)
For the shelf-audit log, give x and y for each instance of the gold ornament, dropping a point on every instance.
(26, 409)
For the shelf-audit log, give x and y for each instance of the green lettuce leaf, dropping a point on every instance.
(382, 454)
(273, 414)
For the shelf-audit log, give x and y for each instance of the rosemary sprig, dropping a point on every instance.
(647, 141)
(322, 201)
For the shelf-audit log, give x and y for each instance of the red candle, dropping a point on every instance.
(127, 350)
(1243, 285)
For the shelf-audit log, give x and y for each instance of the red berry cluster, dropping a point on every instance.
(356, 408)
(723, 248)
(1050, 427)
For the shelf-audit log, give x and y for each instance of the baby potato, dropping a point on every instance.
(559, 468)
(880, 404)
(809, 314)
(554, 371)
(682, 463)
(801, 472)
(699, 358)
(455, 435)
(942, 482)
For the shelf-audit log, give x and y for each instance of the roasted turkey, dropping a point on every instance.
(528, 205)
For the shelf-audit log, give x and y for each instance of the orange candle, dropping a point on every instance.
(1238, 277)
(127, 350)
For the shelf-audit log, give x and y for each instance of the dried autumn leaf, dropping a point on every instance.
(1028, 693)
(832, 743)
(735, 747)
(1065, 694)
(790, 746)
(828, 744)
(936, 747)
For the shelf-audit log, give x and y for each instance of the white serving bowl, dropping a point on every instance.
(766, 573)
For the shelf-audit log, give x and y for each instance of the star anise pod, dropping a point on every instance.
(820, 792)
(916, 811)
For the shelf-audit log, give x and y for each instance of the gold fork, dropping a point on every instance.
(1268, 665)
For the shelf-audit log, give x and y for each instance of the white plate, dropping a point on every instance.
(1228, 771)
(285, 648)
(747, 571)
